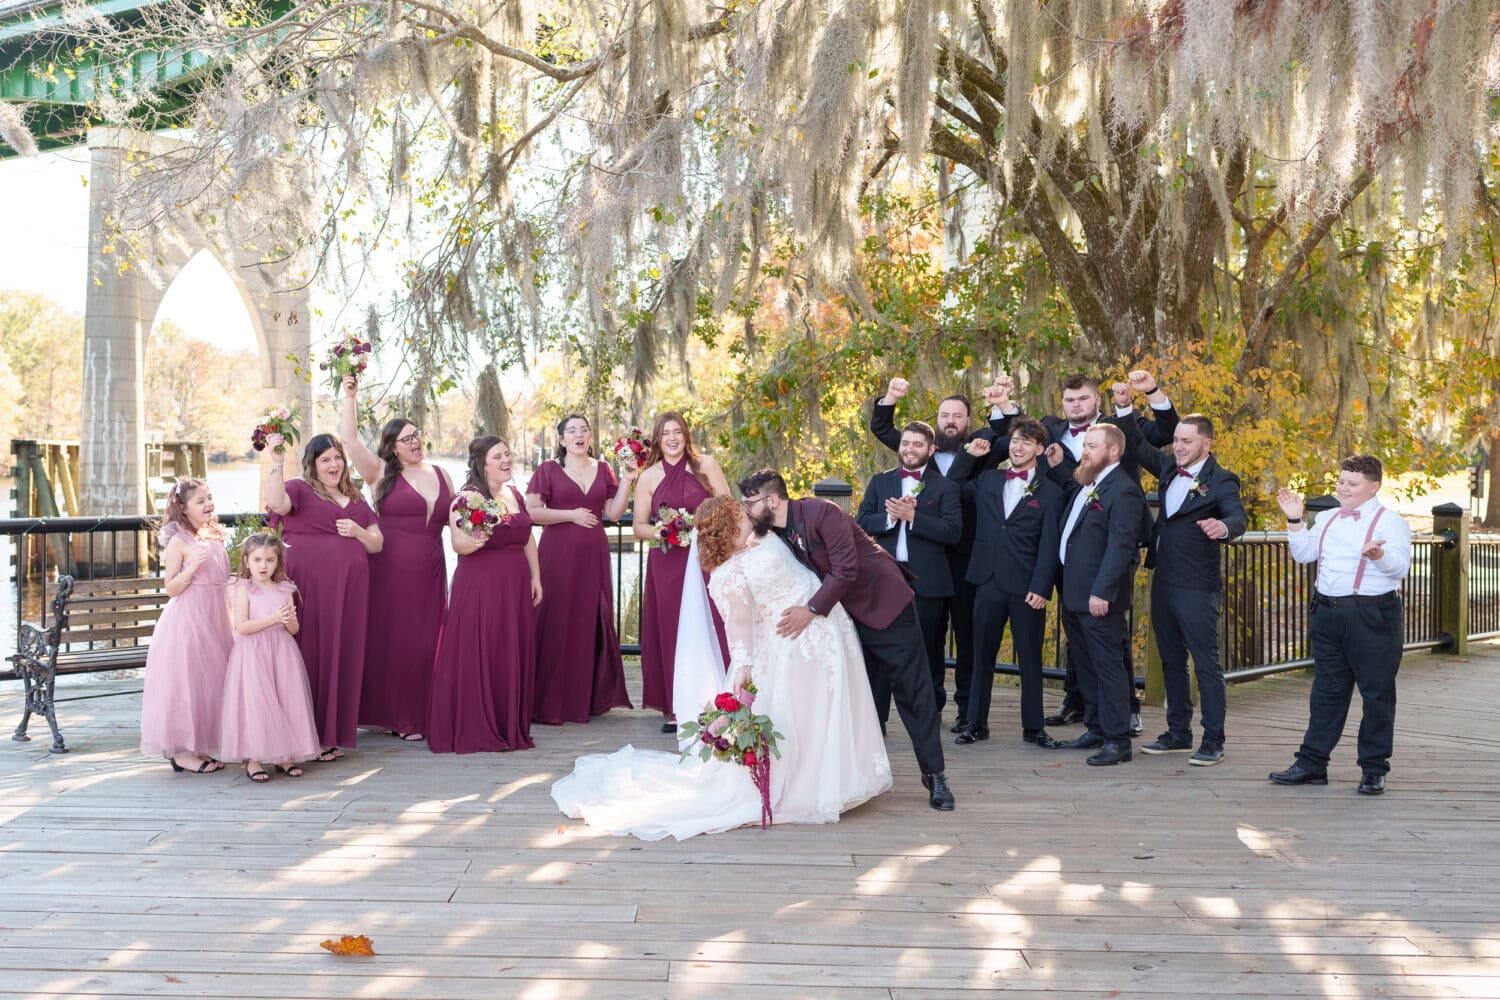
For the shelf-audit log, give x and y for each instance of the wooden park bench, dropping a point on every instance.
(95, 624)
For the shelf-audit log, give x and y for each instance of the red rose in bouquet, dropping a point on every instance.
(726, 702)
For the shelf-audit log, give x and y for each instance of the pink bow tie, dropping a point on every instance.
(1346, 512)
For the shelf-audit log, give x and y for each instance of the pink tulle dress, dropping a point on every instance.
(186, 660)
(268, 710)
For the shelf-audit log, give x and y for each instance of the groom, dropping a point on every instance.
(860, 575)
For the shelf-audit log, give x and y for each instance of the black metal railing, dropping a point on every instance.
(1265, 598)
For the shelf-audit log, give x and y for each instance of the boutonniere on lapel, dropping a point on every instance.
(1091, 497)
(1032, 486)
(916, 490)
(796, 540)
(1197, 488)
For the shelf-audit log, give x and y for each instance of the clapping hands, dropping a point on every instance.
(902, 508)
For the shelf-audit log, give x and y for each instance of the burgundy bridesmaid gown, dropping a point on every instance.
(579, 672)
(332, 574)
(483, 684)
(663, 591)
(408, 592)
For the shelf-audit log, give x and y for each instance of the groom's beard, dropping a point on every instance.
(950, 440)
(1088, 469)
(763, 523)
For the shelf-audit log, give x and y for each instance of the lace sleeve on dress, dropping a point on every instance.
(731, 593)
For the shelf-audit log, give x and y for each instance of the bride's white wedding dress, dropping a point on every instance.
(814, 689)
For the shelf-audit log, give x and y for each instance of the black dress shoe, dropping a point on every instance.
(669, 727)
(1169, 743)
(1373, 784)
(1065, 717)
(1113, 753)
(1299, 774)
(1040, 737)
(958, 725)
(972, 734)
(939, 797)
(1088, 741)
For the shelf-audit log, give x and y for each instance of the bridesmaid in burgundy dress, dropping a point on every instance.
(330, 533)
(579, 671)
(483, 683)
(676, 475)
(408, 578)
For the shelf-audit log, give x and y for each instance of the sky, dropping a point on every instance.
(44, 232)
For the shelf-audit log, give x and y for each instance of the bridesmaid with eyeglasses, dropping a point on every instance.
(408, 577)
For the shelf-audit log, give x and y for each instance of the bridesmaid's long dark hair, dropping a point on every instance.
(689, 452)
(479, 450)
(562, 425)
(386, 450)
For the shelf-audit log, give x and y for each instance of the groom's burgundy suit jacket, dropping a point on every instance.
(856, 572)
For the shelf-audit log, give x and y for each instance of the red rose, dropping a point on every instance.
(749, 758)
(476, 517)
(726, 702)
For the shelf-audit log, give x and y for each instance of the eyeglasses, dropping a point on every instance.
(409, 439)
(749, 504)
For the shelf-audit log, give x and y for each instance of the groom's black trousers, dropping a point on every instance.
(900, 654)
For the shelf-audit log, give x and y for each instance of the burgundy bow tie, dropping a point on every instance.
(1075, 431)
(1346, 512)
(910, 474)
(1012, 474)
(1183, 472)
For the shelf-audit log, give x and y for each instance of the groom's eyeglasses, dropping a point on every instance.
(749, 505)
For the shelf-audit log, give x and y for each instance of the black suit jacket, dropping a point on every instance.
(1179, 551)
(1018, 554)
(1101, 551)
(883, 426)
(937, 525)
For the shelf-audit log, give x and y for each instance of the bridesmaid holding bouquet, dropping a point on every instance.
(483, 684)
(408, 576)
(579, 671)
(676, 478)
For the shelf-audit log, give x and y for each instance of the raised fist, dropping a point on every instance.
(1122, 394)
(978, 447)
(1054, 454)
(1142, 381)
(896, 390)
(351, 387)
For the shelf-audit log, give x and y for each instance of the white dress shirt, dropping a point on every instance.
(908, 484)
(1015, 489)
(1076, 511)
(1177, 490)
(1343, 539)
(944, 460)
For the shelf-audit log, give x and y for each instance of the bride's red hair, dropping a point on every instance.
(717, 525)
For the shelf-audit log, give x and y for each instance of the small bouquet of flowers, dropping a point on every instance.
(676, 528)
(633, 447)
(276, 429)
(476, 515)
(350, 356)
(729, 730)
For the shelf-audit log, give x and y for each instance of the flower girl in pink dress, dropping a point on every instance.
(190, 644)
(268, 712)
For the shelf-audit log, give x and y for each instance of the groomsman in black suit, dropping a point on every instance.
(952, 431)
(915, 517)
(1200, 511)
(1013, 569)
(1100, 539)
(1081, 410)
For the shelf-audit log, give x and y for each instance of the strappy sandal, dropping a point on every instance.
(408, 737)
(259, 777)
(330, 754)
(290, 770)
(205, 767)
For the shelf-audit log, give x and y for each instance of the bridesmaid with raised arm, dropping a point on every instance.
(676, 476)
(408, 577)
(579, 671)
(330, 533)
(483, 684)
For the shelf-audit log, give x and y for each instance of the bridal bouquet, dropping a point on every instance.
(729, 729)
(676, 528)
(632, 447)
(348, 357)
(476, 515)
(276, 429)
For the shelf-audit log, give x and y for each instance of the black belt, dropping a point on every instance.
(1359, 600)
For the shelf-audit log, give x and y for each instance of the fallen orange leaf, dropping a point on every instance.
(172, 979)
(349, 945)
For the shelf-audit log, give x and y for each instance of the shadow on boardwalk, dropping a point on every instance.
(120, 878)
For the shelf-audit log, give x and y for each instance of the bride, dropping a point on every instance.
(813, 688)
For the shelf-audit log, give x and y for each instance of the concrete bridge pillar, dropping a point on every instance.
(120, 309)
